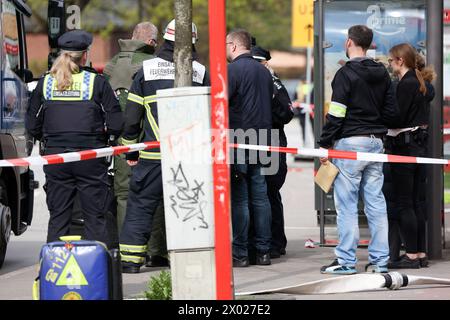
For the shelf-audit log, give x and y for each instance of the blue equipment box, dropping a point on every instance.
(75, 270)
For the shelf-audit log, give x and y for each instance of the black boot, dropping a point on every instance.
(157, 261)
(130, 269)
(404, 263)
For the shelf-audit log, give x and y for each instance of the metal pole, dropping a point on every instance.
(221, 171)
(307, 138)
(318, 101)
(435, 184)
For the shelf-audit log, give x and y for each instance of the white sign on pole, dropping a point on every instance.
(184, 120)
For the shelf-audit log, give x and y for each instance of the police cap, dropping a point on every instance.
(75, 40)
(260, 54)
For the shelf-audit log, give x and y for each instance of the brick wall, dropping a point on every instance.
(38, 49)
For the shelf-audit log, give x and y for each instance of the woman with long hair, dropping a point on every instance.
(74, 109)
(410, 139)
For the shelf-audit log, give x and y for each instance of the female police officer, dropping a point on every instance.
(73, 109)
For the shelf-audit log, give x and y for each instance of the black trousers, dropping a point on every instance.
(395, 241)
(146, 193)
(89, 180)
(409, 182)
(274, 184)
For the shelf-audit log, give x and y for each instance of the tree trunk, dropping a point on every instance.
(183, 43)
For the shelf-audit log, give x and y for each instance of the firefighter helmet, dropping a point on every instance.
(169, 33)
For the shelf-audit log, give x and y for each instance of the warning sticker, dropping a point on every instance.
(72, 296)
(72, 274)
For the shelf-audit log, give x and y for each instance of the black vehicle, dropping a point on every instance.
(16, 184)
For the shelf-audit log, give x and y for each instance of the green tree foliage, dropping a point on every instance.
(269, 21)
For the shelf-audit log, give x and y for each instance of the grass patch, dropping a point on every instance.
(159, 287)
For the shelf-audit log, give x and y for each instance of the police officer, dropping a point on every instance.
(146, 184)
(73, 109)
(281, 114)
(119, 72)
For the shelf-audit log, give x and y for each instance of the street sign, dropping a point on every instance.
(302, 23)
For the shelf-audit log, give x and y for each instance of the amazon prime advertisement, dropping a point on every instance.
(392, 22)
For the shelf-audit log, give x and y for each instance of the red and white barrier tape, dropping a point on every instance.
(446, 131)
(77, 156)
(315, 153)
(350, 155)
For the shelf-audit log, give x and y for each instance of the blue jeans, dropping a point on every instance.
(249, 188)
(365, 179)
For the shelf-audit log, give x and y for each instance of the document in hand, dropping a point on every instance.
(326, 175)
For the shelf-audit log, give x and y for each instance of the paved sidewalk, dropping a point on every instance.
(302, 265)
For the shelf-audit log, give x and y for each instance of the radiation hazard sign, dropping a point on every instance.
(72, 275)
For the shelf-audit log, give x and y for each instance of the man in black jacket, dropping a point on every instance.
(250, 91)
(281, 114)
(363, 105)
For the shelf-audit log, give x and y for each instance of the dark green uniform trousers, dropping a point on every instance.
(157, 245)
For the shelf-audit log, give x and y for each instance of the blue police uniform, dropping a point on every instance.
(77, 118)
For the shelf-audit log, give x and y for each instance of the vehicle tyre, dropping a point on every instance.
(5, 231)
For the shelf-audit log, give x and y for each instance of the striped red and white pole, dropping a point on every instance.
(77, 156)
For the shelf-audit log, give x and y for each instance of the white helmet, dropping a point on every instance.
(169, 33)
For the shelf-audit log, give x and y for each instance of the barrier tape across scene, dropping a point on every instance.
(315, 153)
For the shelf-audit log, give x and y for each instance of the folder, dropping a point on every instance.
(326, 175)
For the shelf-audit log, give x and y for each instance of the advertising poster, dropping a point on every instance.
(393, 22)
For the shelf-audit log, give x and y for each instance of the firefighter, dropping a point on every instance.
(119, 72)
(73, 109)
(146, 183)
(281, 114)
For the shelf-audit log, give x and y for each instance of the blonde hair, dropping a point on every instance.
(409, 56)
(64, 66)
(427, 72)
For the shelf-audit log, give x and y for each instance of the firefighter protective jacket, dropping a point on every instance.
(156, 74)
(83, 116)
(363, 102)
